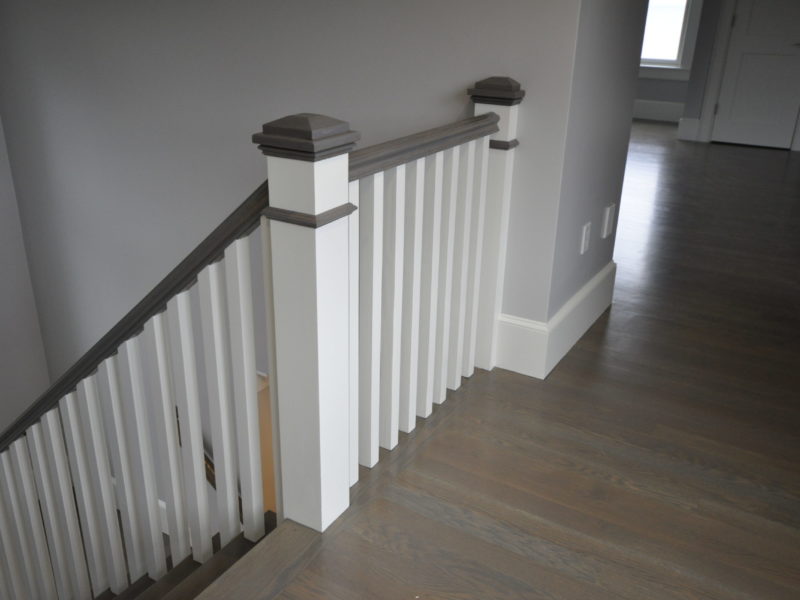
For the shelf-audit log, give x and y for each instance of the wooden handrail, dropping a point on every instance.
(363, 162)
(240, 222)
(377, 158)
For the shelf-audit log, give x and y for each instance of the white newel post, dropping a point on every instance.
(308, 166)
(500, 95)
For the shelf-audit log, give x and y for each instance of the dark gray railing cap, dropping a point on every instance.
(503, 91)
(306, 136)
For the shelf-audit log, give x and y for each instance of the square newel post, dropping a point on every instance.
(500, 95)
(307, 162)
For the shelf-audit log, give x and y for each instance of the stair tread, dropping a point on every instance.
(209, 571)
(136, 588)
(267, 567)
(173, 578)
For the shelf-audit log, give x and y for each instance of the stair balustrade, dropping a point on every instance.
(381, 281)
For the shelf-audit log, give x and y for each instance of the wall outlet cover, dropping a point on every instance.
(608, 220)
(585, 234)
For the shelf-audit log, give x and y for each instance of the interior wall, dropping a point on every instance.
(659, 99)
(661, 90)
(23, 369)
(129, 124)
(601, 106)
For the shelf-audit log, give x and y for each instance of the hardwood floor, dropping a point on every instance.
(659, 460)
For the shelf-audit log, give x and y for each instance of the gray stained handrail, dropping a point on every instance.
(377, 158)
(244, 219)
(239, 223)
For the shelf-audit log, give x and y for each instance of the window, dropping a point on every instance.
(669, 36)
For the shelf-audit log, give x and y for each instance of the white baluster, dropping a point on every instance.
(443, 333)
(245, 386)
(192, 452)
(176, 497)
(54, 526)
(107, 509)
(392, 305)
(213, 310)
(412, 269)
(476, 255)
(63, 487)
(10, 551)
(153, 542)
(269, 307)
(429, 283)
(84, 493)
(369, 330)
(5, 582)
(353, 274)
(29, 503)
(17, 532)
(132, 529)
(461, 264)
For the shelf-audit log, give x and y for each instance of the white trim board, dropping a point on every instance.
(534, 348)
(716, 70)
(689, 129)
(657, 110)
(664, 72)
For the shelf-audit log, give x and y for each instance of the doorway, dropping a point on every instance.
(759, 98)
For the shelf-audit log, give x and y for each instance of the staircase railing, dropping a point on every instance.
(372, 314)
(238, 224)
(99, 468)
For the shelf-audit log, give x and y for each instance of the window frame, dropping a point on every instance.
(679, 68)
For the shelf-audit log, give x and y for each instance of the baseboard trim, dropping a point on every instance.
(657, 110)
(534, 348)
(689, 129)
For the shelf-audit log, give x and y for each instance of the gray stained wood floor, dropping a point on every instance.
(659, 460)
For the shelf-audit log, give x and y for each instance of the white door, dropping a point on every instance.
(759, 101)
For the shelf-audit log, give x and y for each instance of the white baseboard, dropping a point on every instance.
(522, 345)
(689, 129)
(534, 348)
(657, 110)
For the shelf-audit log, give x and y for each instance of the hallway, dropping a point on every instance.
(659, 460)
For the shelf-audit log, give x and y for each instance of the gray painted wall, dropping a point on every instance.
(129, 124)
(664, 90)
(601, 106)
(23, 369)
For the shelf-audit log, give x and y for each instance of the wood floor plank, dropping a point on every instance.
(458, 560)
(590, 539)
(588, 491)
(264, 571)
(683, 484)
(630, 536)
(623, 581)
(356, 568)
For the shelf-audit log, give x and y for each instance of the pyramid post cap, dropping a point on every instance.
(502, 90)
(306, 136)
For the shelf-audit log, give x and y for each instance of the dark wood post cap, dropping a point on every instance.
(503, 91)
(306, 136)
